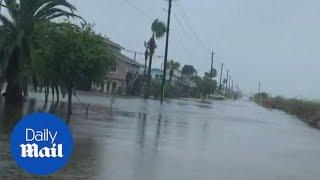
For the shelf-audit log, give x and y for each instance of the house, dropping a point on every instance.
(119, 79)
(122, 76)
(176, 77)
(156, 73)
(141, 69)
(188, 82)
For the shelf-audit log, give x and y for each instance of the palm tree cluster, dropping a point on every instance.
(16, 39)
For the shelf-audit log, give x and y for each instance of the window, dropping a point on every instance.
(114, 69)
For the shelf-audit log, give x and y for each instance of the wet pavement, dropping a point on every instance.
(140, 139)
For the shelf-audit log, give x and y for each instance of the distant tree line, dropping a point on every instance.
(203, 86)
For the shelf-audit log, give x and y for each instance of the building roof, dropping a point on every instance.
(156, 69)
(113, 44)
(127, 59)
(118, 53)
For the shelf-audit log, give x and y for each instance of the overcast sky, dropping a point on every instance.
(275, 41)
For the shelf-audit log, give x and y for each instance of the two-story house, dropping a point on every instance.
(123, 74)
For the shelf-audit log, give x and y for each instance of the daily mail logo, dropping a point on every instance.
(41, 143)
(33, 150)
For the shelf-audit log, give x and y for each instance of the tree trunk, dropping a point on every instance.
(69, 101)
(25, 87)
(35, 83)
(145, 65)
(57, 92)
(46, 92)
(14, 70)
(147, 89)
(10, 115)
(1, 85)
(63, 92)
(170, 77)
(52, 92)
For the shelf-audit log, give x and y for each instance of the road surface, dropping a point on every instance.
(184, 140)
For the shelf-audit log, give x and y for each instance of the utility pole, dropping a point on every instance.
(229, 86)
(166, 53)
(146, 55)
(226, 90)
(135, 56)
(259, 90)
(211, 70)
(220, 78)
(232, 93)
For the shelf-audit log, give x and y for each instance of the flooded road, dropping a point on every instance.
(139, 139)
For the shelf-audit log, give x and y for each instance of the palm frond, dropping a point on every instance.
(49, 4)
(6, 22)
(44, 14)
(50, 10)
(158, 28)
(62, 14)
(12, 8)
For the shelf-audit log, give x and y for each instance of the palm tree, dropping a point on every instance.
(146, 55)
(172, 67)
(158, 29)
(211, 74)
(188, 70)
(15, 33)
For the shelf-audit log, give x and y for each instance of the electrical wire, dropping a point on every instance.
(138, 9)
(188, 23)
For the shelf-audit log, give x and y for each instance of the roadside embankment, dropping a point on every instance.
(308, 111)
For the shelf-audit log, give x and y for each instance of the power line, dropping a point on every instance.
(186, 20)
(192, 35)
(189, 24)
(187, 33)
(191, 28)
(138, 9)
(184, 48)
(181, 44)
(139, 53)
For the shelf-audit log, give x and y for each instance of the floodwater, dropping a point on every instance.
(140, 139)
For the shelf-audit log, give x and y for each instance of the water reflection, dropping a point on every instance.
(158, 133)
(141, 129)
(9, 116)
